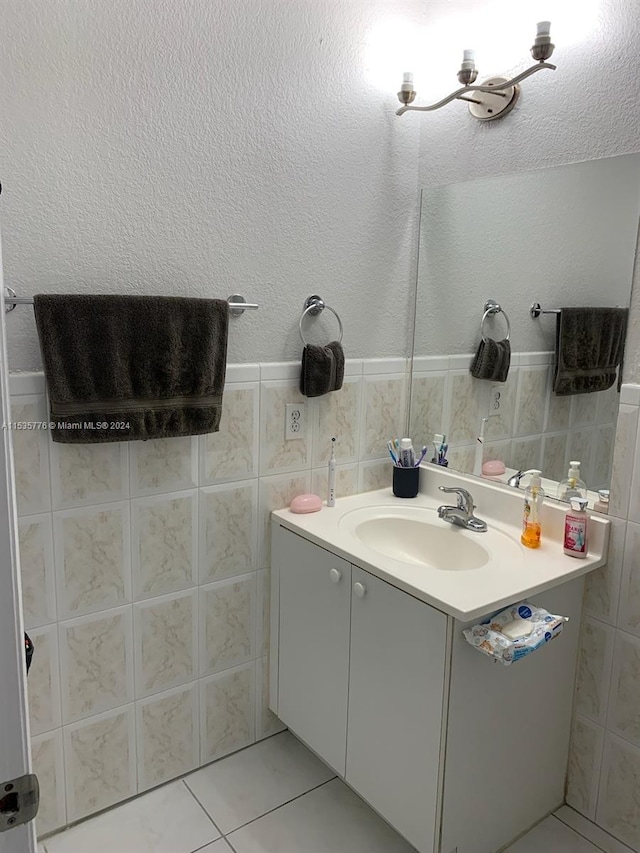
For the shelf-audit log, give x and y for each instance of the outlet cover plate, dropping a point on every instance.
(294, 421)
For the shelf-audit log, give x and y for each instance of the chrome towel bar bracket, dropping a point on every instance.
(536, 310)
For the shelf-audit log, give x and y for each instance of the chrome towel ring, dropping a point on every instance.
(491, 308)
(313, 306)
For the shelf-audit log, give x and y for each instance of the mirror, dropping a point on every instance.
(563, 236)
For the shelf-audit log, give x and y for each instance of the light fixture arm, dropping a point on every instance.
(491, 89)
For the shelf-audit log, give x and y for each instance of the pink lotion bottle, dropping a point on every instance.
(576, 523)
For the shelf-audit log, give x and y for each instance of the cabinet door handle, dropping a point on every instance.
(359, 589)
(335, 575)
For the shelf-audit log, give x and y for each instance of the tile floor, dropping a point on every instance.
(273, 797)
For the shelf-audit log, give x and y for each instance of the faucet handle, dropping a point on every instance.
(465, 500)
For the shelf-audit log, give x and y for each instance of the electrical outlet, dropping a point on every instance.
(495, 403)
(294, 421)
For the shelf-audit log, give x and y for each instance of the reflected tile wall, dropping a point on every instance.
(383, 413)
(555, 455)
(532, 400)
(428, 397)
(468, 404)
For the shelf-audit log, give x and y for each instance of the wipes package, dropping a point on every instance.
(488, 637)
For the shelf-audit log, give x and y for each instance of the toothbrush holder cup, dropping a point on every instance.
(405, 482)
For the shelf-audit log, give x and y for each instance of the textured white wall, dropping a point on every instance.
(206, 147)
(589, 108)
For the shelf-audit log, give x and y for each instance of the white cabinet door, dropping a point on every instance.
(396, 689)
(313, 673)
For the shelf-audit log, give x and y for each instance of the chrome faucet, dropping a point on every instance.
(462, 514)
(517, 477)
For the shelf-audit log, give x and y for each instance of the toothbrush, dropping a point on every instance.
(421, 457)
(391, 453)
(331, 492)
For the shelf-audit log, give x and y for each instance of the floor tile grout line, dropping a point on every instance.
(217, 828)
(275, 808)
(577, 832)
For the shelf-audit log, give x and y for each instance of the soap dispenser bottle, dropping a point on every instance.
(576, 523)
(533, 498)
(572, 486)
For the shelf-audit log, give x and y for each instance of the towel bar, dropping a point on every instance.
(237, 304)
(536, 310)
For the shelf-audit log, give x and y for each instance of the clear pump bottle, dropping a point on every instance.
(533, 499)
(572, 486)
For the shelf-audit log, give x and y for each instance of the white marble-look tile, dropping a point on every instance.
(594, 669)
(227, 623)
(428, 399)
(585, 407)
(227, 712)
(329, 818)
(500, 423)
(251, 783)
(232, 452)
(526, 359)
(241, 373)
(263, 612)
(581, 446)
(24, 383)
(526, 453)
(96, 663)
(267, 723)
(83, 474)
(164, 543)
(165, 631)
(619, 798)
(48, 765)
(607, 403)
(551, 836)
(558, 413)
(501, 450)
(623, 462)
(100, 762)
(629, 609)
(532, 400)
(228, 530)
(35, 535)
(168, 820)
(289, 370)
(31, 454)
(276, 493)
(624, 703)
(462, 458)
(93, 560)
(337, 414)
(164, 465)
(375, 474)
(630, 394)
(583, 771)
(602, 587)
(468, 404)
(168, 735)
(382, 366)
(43, 683)
(383, 413)
(554, 454)
(277, 453)
(346, 481)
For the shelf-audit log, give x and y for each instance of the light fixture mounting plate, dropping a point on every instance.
(494, 106)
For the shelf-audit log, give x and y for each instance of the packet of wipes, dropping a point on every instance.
(489, 638)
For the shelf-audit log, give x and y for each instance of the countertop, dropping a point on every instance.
(513, 573)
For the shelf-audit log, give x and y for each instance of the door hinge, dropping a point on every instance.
(19, 801)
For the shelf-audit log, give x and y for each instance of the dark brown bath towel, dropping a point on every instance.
(322, 369)
(589, 349)
(492, 360)
(120, 368)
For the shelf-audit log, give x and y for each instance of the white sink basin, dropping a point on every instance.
(418, 537)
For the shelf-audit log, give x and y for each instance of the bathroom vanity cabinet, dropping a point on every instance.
(459, 754)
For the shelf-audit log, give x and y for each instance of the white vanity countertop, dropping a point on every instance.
(512, 573)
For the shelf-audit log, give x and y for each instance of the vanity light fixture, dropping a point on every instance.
(497, 95)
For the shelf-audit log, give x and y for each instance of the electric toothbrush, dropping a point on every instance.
(331, 482)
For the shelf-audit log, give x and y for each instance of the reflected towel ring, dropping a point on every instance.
(313, 306)
(491, 307)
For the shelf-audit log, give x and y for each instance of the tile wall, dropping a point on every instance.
(145, 573)
(532, 424)
(604, 760)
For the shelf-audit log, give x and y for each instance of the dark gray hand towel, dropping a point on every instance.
(492, 360)
(589, 349)
(120, 368)
(322, 369)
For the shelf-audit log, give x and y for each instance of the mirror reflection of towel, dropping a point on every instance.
(492, 360)
(589, 349)
(322, 369)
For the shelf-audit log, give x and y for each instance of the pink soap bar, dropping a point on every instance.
(306, 503)
(493, 467)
